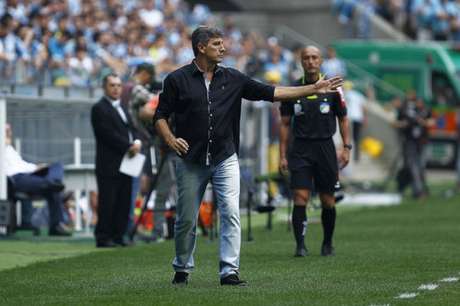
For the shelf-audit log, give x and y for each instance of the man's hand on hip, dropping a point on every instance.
(179, 145)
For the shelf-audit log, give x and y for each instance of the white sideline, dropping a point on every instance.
(428, 287)
(449, 280)
(407, 295)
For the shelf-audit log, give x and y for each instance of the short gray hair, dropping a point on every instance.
(202, 35)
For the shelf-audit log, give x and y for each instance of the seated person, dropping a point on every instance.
(37, 180)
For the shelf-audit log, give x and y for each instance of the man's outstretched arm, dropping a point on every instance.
(286, 93)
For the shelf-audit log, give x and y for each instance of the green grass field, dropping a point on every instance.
(381, 253)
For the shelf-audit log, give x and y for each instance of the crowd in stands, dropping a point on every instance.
(76, 42)
(418, 19)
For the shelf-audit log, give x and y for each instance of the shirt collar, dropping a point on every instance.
(197, 70)
(115, 103)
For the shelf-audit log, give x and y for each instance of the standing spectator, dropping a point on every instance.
(59, 48)
(313, 159)
(115, 137)
(7, 47)
(356, 112)
(425, 13)
(81, 68)
(333, 66)
(206, 101)
(150, 16)
(441, 20)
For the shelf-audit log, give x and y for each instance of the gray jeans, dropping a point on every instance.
(191, 183)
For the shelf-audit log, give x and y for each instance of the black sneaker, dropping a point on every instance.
(232, 280)
(327, 250)
(105, 244)
(121, 242)
(180, 278)
(301, 251)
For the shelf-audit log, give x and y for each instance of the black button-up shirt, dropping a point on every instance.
(209, 120)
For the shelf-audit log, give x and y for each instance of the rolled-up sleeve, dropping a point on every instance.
(166, 101)
(256, 91)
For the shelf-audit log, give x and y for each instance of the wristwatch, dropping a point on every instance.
(348, 146)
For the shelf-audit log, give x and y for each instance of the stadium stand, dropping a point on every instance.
(418, 19)
(73, 43)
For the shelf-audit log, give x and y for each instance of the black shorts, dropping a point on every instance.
(313, 164)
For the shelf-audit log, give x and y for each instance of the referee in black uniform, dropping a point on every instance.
(312, 159)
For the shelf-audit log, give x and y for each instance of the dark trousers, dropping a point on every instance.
(39, 184)
(413, 161)
(114, 201)
(356, 130)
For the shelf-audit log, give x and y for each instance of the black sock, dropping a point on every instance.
(299, 224)
(328, 216)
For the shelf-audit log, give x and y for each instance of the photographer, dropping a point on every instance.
(143, 104)
(414, 120)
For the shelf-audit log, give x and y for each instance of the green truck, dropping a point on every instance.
(431, 69)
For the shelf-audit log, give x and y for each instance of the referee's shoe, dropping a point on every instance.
(327, 250)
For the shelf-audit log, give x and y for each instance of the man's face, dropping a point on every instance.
(311, 60)
(214, 50)
(113, 88)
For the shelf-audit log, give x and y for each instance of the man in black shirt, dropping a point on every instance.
(313, 159)
(205, 99)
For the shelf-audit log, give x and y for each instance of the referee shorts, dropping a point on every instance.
(313, 164)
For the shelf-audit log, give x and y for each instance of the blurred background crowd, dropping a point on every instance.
(418, 19)
(75, 42)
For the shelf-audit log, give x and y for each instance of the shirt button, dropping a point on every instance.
(210, 140)
(210, 115)
(210, 128)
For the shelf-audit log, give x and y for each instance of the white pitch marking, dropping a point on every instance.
(449, 280)
(407, 295)
(379, 305)
(428, 287)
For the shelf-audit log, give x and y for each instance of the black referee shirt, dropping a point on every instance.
(208, 120)
(315, 116)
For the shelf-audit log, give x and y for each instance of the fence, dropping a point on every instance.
(45, 129)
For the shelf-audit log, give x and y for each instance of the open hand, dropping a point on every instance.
(323, 86)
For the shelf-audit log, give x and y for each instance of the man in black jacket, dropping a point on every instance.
(115, 136)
